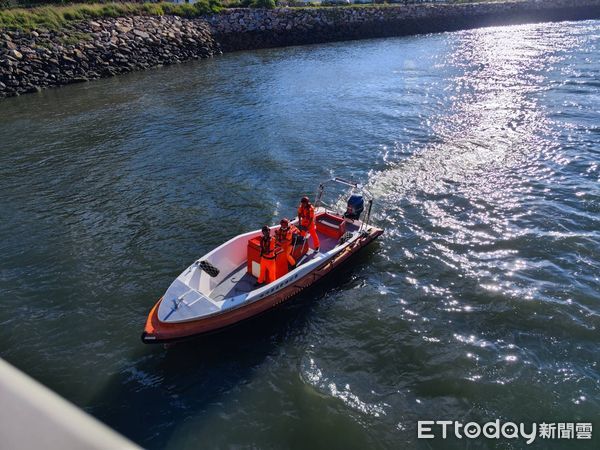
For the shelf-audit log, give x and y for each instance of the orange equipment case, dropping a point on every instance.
(281, 264)
(330, 225)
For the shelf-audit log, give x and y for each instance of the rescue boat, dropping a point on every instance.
(220, 289)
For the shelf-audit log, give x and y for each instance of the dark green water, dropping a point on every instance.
(480, 302)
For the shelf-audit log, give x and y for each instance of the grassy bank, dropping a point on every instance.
(55, 17)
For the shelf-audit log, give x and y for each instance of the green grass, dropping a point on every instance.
(55, 17)
(58, 16)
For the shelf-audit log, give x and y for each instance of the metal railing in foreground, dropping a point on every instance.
(32, 416)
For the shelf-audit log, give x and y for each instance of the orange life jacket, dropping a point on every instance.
(306, 215)
(285, 236)
(267, 247)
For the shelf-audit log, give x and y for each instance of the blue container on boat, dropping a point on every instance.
(356, 205)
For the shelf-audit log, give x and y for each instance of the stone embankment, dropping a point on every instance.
(94, 49)
(245, 29)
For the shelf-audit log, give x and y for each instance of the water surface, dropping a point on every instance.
(481, 300)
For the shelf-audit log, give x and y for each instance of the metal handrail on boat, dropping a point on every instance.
(354, 186)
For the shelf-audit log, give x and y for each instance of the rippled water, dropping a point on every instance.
(481, 301)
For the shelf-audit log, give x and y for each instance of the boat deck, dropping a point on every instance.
(241, 282)
(237, 282)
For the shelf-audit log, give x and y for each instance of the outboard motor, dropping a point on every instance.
(356, 205)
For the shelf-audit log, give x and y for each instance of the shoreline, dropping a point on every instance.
(92, 49)
(243, 29)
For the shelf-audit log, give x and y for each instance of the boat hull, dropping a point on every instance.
(156, 331)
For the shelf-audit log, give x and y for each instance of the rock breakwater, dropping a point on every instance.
(30, 61)
(244, 29)
(95, 49)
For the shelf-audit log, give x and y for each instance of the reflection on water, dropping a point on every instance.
(479, 302)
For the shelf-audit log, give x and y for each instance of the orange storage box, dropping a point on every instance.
(330, 225)
(253, 267)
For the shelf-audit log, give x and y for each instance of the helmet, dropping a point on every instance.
(304, 200)
(266, 230)
(284, 223)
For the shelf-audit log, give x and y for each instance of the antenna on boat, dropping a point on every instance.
(365, 224)
(319, 194)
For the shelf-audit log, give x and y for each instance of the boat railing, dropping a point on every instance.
(354, 187)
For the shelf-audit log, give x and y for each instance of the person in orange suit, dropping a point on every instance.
(306, 218)
(267, 257)
(284, 238)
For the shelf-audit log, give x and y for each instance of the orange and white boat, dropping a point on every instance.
(220, 290)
